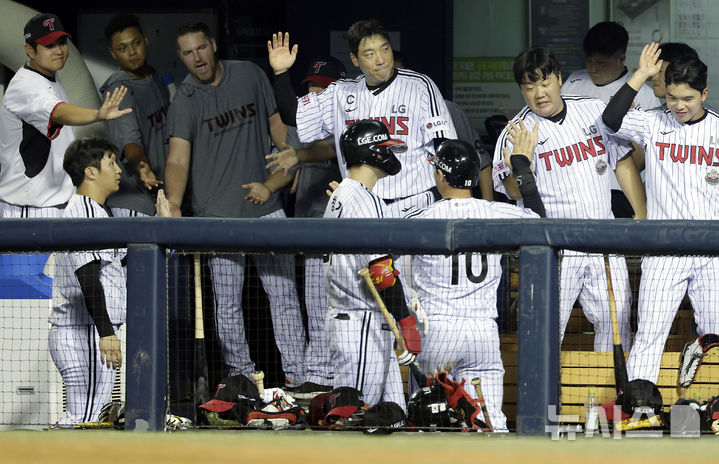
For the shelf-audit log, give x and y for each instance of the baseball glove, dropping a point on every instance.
(692, 355)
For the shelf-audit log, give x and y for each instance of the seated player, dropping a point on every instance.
(681, 182)
(89, 292)
(459, 292)
(361, 343)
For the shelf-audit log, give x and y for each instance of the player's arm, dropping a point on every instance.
(260, 192)
(288, 158)
(177, 169)
(88, 276)
(68, 114)
(632, 186)
(485, 183)
(282, 57)
(520, 160)
(619, 105)
(385, 278)
(137, 157)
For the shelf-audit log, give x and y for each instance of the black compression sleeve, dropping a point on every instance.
(527, 184)
(286, 98)
(618, 106)
(89, 278)
(393, 298)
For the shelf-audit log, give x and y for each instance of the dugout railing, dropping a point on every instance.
(537, 241)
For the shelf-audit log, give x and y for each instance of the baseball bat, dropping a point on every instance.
(477, 382)
(202, 393)
(620, 365)
(414, 368)
(258, 379)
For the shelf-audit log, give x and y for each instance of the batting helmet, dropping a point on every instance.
(428, 407)
(368, 142)
(459, 162)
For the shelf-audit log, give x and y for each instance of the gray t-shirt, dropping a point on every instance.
(145, 126)
(228, 128)
(311, 197)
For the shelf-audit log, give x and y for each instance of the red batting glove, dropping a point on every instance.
(408, 327)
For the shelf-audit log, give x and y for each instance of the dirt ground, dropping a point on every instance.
(304, 447)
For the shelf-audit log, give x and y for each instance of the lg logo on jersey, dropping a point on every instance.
(590, 131)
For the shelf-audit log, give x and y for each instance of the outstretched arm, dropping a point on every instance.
(282, 57)
(520, 161)
(177, 169)
(68, 114)
(649, 66)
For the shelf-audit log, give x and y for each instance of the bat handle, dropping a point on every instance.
(258, 379)
(477, 382)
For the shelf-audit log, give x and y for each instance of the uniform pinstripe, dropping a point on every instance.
(410, 106)
(570, 165)
(682, 182)
(360, 341)
(457, 294)
(73, 339)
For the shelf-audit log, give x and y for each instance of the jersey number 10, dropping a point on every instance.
(475, 279)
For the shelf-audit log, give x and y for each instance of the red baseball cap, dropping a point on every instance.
(44, 29)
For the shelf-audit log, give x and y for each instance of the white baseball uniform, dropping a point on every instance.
(579, 83)
(73, 338)
(682, 182)
(361, 342)
(412, 108)
(32, 147)
(459, 294)
(570, 166)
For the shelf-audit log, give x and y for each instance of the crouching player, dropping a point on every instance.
(89, 292)
(360, 342)
(459, 292)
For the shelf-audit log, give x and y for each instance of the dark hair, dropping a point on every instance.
(537, 63)
(670, 51)
(687, 70)
(82, 153)
(191, 27)
(119, 23)
(363, 29)
(606, 38)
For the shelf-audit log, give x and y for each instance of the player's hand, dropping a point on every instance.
(110, 107)
(406, 358)
(281, 56)
(147, 177)
(295, 181)
(523, 140)
(283, 160)
(162, 205)
(110, 354)
(649, 62)
(259, 193)
(333, 186)
(416, 308)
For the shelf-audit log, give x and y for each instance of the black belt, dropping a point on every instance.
(434, 191)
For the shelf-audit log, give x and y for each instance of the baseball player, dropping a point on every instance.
(605, 50)
(682, 182)
(670, 51)
(571, 160)
(89, 289)
(141, 136)
(220, 124)
(461, 290)
(318, 167)
(361, 343)
(407, 102)
(33, 136)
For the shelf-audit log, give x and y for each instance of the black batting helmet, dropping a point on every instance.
(459, 162)
(428, 408)
(368, 142)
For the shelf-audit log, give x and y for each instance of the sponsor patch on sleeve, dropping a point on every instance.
(500, 170)
(436, 124)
